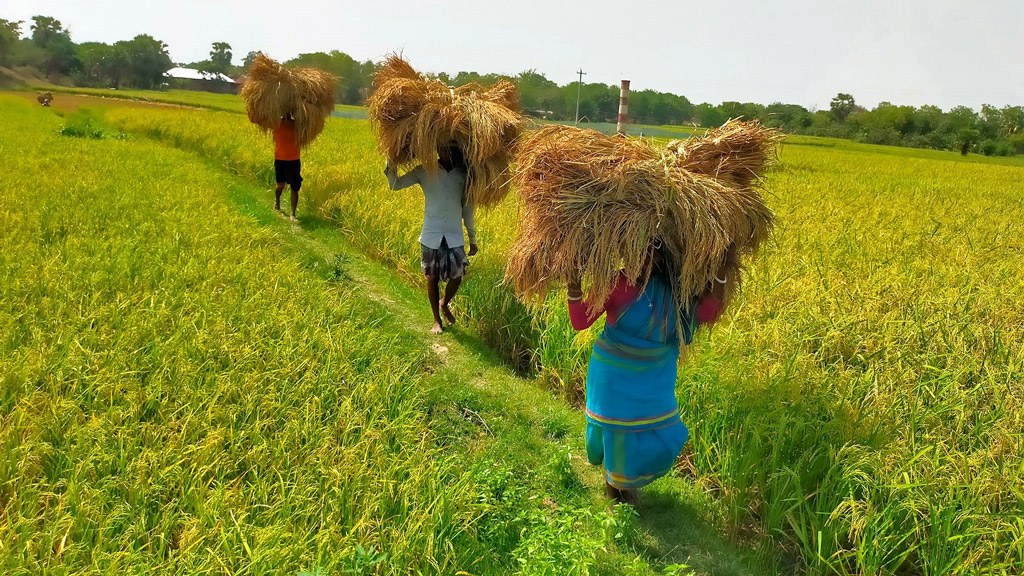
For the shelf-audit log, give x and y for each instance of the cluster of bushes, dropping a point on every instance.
(137, 63)
(992, 131)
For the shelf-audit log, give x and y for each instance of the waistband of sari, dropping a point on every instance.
(641, 424)
(625, 348)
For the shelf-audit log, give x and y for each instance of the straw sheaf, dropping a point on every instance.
(273, 92)
(737, 153)
(414, 116)
(592, 205)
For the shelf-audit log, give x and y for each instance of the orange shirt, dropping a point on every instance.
(285, 147)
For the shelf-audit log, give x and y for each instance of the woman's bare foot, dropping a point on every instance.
(628, 497)
(277, 206)
(447, 312)
(437, 329)
(611, 492)
(619, 496)
(294, 219)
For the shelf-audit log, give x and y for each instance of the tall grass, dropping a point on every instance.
(863, 404)
(180, 394)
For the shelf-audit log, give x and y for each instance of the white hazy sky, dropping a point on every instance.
(943, 52)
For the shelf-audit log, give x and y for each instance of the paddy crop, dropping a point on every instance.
(185, 389)
(862, 405)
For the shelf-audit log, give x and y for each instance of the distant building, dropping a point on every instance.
(192, 79)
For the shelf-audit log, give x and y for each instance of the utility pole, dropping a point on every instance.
(579, 87)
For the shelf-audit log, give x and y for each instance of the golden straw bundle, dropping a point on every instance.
(737, 153)
(592, 205)
(306, 94)
(414, 116)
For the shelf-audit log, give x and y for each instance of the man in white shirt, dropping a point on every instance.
(446, 210)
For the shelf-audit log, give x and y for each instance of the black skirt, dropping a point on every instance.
(444, 262)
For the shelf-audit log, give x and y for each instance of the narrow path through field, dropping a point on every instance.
(678, 524)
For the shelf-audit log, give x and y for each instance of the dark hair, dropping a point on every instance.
(660, 263)
(450, 157)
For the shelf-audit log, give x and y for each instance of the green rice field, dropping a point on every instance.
(191, 385)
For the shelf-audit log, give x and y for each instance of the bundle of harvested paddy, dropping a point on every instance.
(45, 98)
(592, 205)
(737, 153)
(414, 116)
(273, 92)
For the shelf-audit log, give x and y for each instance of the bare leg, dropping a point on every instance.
(620, 496)
(449, 292)
(277, 196)
(611, 492)
(434, 293)
(295, 202)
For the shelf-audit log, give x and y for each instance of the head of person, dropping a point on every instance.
(659, 262)
(450, 157)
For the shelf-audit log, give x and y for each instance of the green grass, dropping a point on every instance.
(184, 394)
(190, 384)
(861, 406)
(874, 151)
(163, 409)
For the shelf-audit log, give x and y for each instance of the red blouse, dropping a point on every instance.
(623, 295)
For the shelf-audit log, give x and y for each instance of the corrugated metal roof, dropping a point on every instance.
(192, 74)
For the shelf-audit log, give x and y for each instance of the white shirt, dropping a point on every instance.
(444, 211)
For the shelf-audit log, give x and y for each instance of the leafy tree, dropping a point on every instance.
(463, 78)
(842, 106)
(147, 60)
(1013, 120)
(653, 107)
(928, 119)
(249, 59)
(966, 140)
(961, 118)
(894, 121)
(598, 102)
(46, 30)
(354, 78)
(539, 95)
(94, 58)
(10, 34)
(990, 122)
(49, 35)
(708, 115)
(791, 117)
(220, 57)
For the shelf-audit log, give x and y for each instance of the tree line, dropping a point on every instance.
(142, 61)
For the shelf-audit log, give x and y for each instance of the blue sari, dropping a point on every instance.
(633, 424)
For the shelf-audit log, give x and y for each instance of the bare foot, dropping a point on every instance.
(294, 219)
(437, 329)
(628, 497)
(611, 492)
(620, 496)
(447, 313)
(277, 207)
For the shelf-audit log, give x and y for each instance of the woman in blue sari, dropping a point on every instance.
(633, 424)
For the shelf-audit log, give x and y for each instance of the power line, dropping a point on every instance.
(579, 88)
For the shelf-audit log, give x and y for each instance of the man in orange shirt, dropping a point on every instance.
(287, 163)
